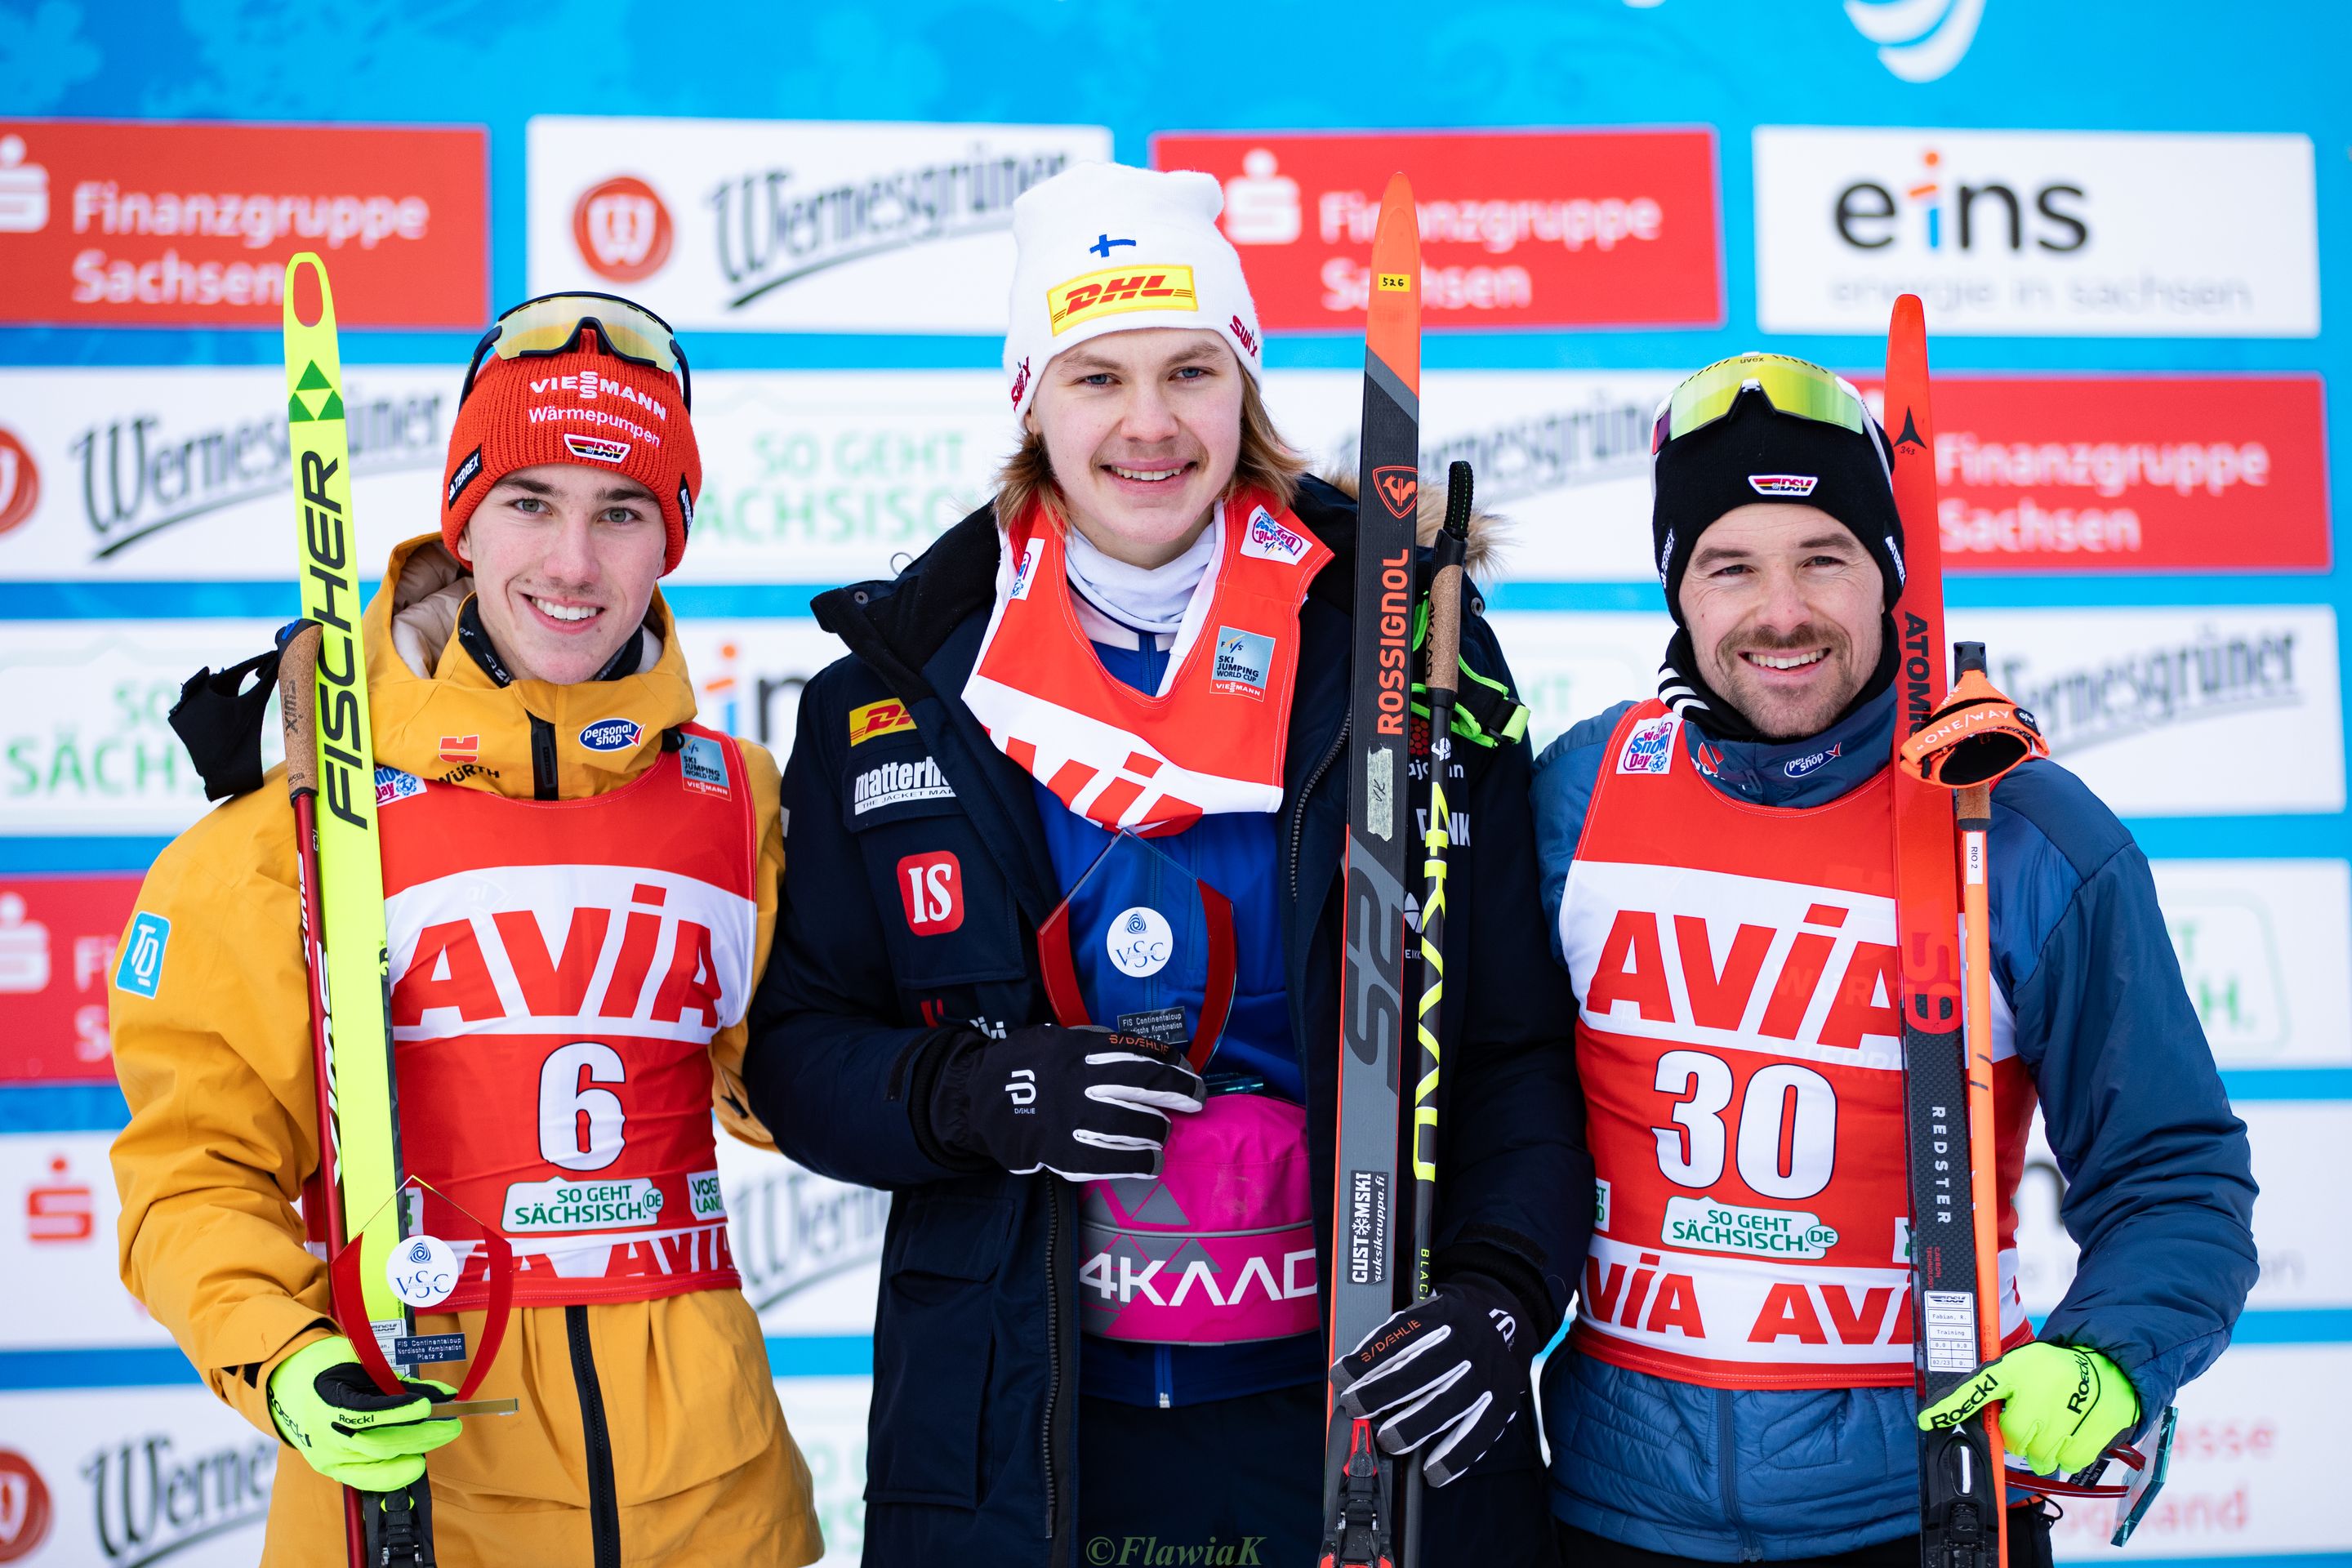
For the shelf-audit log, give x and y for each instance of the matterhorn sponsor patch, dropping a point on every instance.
(1649, 748)
(1783, 484)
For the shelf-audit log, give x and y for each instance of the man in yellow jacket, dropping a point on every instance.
(580, 895)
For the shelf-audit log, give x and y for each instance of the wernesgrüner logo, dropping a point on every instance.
(775, 228)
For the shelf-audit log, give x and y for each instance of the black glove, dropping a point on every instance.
(1086, 1103)
(1451, 1371)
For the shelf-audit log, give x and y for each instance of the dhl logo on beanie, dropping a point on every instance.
(583, 407)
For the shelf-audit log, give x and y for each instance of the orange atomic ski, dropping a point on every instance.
(1946, 1095)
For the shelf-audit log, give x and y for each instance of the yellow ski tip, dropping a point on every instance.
(308, 262)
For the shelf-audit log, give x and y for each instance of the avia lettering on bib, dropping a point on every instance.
(1739, 1038)
(558, 970)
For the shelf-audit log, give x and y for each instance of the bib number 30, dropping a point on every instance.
(580, 1128)
(1787, 1139)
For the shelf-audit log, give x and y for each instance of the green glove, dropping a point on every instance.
(2060, 1405)
(328, 1407)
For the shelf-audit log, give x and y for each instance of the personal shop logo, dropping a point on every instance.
(611, 734)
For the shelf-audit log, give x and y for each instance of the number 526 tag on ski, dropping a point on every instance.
(422, 1271)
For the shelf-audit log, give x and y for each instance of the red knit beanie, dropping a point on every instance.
(586, 407)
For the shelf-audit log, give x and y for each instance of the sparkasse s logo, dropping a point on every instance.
(1932, 209)
(623, 229)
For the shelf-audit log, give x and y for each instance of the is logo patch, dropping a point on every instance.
(1269, 541)
(1783, 484)
(611, 734)
(887, 717)
(930, 890)
(702, 765)
(1649, 748)
(142, 969)
(392, 785)
(595, 448)
(1138, 286)
(1242, 660)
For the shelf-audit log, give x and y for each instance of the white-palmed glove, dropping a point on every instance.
(1447, 1375)
(1086, 1104)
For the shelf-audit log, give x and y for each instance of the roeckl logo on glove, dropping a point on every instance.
(1022, 1086)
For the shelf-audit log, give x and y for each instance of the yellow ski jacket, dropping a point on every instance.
(648, 1426)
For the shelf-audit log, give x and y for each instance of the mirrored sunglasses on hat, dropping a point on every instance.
(552, 324)
(1792, 386)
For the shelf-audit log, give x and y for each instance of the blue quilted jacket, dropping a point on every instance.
(2159, 1191)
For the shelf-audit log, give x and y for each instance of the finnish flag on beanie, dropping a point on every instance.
(1104, 247)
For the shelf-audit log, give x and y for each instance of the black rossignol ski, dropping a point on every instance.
(1955, 1299)
(1358, 1487)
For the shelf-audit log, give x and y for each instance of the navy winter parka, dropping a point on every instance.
(973, 1448)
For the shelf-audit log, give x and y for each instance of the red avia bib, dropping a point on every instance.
(1212, 740)
(1741, 1044)
(558, 970)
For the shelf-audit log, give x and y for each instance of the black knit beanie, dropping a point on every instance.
(1756, 453)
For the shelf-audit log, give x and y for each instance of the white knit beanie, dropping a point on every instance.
(1102, 247)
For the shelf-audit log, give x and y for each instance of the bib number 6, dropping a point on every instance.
(1788, 1125)
(580, 1128)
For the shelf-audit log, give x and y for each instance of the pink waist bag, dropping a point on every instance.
(1219, 1248)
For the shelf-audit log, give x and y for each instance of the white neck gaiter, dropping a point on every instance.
(1150, 600)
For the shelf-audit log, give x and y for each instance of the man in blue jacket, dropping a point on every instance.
(1718, 870)
(1070, 815)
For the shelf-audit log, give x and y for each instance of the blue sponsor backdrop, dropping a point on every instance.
(2180, 66)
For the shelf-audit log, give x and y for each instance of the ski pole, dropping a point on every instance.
(1967, 746)
(1444, 653)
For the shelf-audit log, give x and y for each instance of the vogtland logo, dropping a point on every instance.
(1938, 209)
(1918, 40)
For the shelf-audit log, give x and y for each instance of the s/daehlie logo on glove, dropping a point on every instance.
(1022, 1086)
(1505, 1324)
